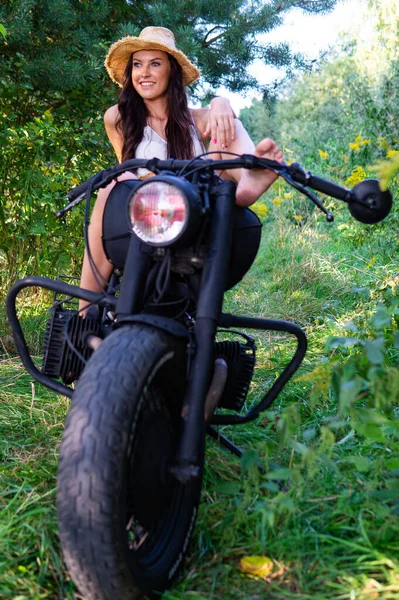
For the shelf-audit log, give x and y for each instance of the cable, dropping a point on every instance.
(100, 280)
(192, 161)
(94, 269)
(164, 272)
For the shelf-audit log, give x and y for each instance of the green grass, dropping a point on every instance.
(326, 512)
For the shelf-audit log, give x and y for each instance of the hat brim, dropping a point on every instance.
(120, 53)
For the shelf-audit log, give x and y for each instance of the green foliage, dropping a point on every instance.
(259, 120)
(37, 169)
(54, 91)
(62, 42)
(321, 104)
(343, 117)
(369, 373)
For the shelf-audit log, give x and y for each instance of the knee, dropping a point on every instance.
(99, 205)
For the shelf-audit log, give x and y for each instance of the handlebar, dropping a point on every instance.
(367, 203)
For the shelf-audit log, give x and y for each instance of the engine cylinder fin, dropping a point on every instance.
(240, 360)
(64, 343)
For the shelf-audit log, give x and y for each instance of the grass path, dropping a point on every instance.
(326, 513)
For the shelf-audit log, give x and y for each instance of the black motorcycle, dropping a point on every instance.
(152, 377)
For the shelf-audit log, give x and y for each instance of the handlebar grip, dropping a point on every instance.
(79, 190)
(94, 182)
(320, 185)
(329, 188)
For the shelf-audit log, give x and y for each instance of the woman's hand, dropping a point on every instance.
(220, 127)
(255, 182)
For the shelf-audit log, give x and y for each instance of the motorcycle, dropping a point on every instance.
(152, 379)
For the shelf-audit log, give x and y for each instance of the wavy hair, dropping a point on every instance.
(133, 115)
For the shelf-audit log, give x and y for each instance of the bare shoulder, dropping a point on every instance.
(200, 117)
(111, 115)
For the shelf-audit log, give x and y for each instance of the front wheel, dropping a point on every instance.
(124, 520)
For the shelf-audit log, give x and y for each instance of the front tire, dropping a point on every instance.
(124, 520)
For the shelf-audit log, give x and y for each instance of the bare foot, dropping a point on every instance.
(254, 182)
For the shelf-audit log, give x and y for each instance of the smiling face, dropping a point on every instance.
(151, 73)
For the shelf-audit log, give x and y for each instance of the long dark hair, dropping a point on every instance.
(133, 115)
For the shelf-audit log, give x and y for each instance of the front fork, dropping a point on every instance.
(208, 317)
(209, 307)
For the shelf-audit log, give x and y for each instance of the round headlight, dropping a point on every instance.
(159, 212)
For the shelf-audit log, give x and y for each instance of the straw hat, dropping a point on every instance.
(151, 38)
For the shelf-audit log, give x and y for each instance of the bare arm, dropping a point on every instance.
(216, 123)
(114, 135)
(251, 183)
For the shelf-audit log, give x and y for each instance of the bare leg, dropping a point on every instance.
(255, 182)
(90, 280)
(251, 183)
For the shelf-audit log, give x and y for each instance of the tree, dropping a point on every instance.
(54, 91)
(343, 117)
(60, 44)
(259, 120)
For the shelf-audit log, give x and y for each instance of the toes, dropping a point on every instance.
(265, 146)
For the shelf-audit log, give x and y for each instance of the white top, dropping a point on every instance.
(153, 145)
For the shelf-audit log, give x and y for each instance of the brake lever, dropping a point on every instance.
(86, 195)
(60, 213)
(86, 189)
(288, 178)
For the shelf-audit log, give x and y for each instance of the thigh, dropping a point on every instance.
(117, 229)
(245, 244)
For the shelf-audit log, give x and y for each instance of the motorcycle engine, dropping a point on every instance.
(240, 359)
(64, 350)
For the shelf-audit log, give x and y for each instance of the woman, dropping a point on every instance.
(152, 118)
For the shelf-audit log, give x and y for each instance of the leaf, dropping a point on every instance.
(392, 484)
(279, 475)
(256, 565)
(309, 433)
(22, 569)
(367, 415)
(299, 448)
(37, 228)
(350, 326)
(249, 459)
(361, 463)
(392, 464)
(349, 391)
(374, 350)
(288, 503)
(228, 488)
(229, 518)
(382, 318)
(3, 31)
(270, 485)
(343, 342)
(371, 431)
(385, 494)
